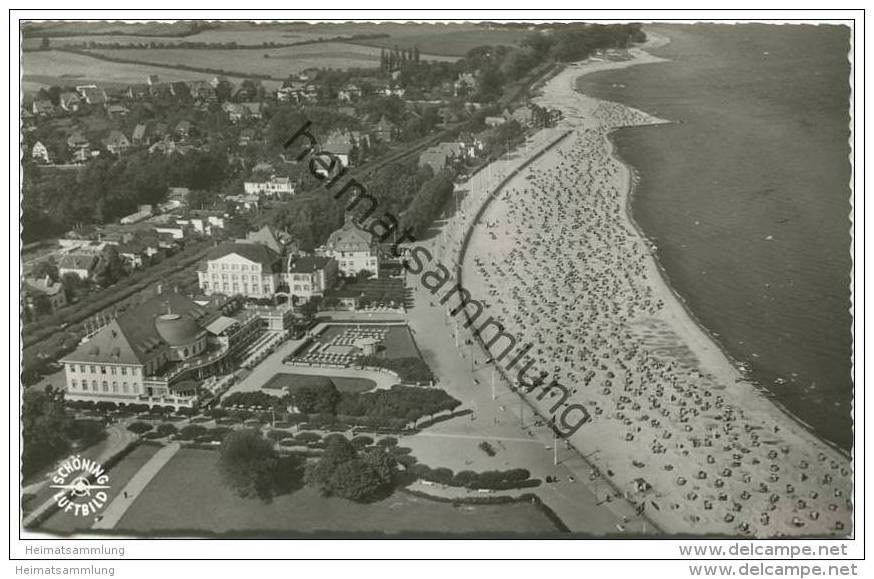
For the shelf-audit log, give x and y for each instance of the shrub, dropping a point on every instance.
(387, 441)
(360, 442)
(308, 437)
(166, 429)
(192, 431)
(139, 427)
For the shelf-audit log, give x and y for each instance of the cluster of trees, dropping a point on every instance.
(577, 41)
(396, 58)
(410, 369)
(428, 203)
(47, 430)
(324, 403)
(515, 478)
(256, 398)
(106, 189)
(343, 471)
(407, 402)
(250, 466)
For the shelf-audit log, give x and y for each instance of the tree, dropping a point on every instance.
(316, 399)
(341, 472)
(44, 424)
(44, 43)
(247, 463)
(109, 268)
(166, 429)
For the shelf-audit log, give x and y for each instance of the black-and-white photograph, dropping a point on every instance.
(436, 279)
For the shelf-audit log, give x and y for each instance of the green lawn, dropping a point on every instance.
(188, 496)
(343, 384)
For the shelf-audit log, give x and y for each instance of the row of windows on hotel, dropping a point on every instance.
(240, 266)
(93, 369)
(236, 287)
(235, 277)
(133, 389)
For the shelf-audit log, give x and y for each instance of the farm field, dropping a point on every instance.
(52, 67)
(449, 42)
(444, 39)
(188, 496)
(276, 62)
(293, 381)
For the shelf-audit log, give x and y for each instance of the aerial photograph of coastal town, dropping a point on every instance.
(438, 279)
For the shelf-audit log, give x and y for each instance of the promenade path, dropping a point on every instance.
(584, 505)
(117, 439)
(126, 496)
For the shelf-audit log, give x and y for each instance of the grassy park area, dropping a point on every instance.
(188, 496)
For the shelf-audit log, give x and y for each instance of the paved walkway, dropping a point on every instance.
(126, 496)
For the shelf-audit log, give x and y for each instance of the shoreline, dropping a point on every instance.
(658, 345)
(665, 278)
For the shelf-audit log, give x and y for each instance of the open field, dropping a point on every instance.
(188, 496)
(119, 476)
(444, 39)
(276, 62)
(294, 381)
(52, 67)
(449, 42)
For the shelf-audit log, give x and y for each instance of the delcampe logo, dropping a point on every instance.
(82, 486)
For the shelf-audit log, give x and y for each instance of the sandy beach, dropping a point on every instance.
(674, 424)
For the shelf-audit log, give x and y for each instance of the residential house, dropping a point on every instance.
(180, 90)
(246, 137)
(117, 111)
(183, 128)
(40, 153)
(465, 84)
(153, 79)
(93, 95)
(139, 135)
(80, 264)
(43, 108)
(307, 277)
(179, 194)
(143, 212)
(340, 145)
(79, 147)
(349, 93)
(269, 237)
(244, 202)
(46, 288)
(385, 130)
(116, 142)
(273, 187)
(354, 248)
(137, 91)
(70, 101)
(495, 121)
(439, 156)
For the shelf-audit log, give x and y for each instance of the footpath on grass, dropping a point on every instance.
(126, 496)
